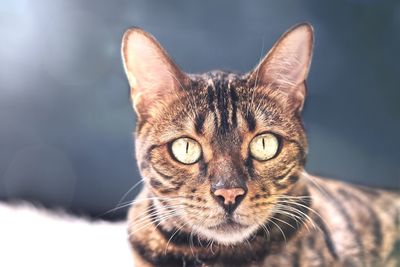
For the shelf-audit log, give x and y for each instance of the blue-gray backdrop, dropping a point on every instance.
(65, 118)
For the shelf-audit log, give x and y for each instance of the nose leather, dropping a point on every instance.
(229, 194)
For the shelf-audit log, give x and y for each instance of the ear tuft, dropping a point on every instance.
(286, 65)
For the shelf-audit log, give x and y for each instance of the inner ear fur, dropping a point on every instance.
(286, 65)
(154, 78)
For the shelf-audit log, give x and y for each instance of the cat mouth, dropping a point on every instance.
(228, 225)
(228, 231)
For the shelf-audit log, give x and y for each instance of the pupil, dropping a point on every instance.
(263, 143)
(187, 147)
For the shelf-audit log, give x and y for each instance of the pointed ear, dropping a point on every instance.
(153, 77)
(286, 65)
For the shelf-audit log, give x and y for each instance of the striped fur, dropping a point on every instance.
(287, 217)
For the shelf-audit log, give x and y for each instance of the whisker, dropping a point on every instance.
(150, 218)
(280, 229)
(265, 229)
(319, 187)
(268, 232)
(295, 217)
(282, 221)
(129, 191)
(158, 221)
(303, 206)
(303, 215)
(172, 236)
(126, 204)
(154, 211)
(292, 197)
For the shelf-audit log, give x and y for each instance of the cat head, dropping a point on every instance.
(220, 149)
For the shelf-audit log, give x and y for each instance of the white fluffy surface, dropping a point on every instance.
(35, 237)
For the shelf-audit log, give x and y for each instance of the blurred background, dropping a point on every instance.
(66, 123)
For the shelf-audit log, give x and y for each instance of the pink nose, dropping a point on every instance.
(229, 195)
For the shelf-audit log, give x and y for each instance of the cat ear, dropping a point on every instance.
(153, 77)
(286, 65)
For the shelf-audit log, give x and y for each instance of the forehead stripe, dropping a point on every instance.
(250, 120)
(199, 123)
(222, 103)
(234, 99)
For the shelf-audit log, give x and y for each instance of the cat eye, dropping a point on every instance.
(264, 146)
(186, 150)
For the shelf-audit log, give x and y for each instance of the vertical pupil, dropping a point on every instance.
(263, 143)
(187, 147)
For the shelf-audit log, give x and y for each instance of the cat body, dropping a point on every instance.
(222, 159)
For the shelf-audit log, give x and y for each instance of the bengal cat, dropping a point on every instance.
(222, 159)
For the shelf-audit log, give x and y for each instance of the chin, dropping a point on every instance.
(227, 233)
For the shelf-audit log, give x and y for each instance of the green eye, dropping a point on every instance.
(186, 150)
(264, 146)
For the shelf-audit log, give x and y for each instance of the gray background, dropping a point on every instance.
(65, 118)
